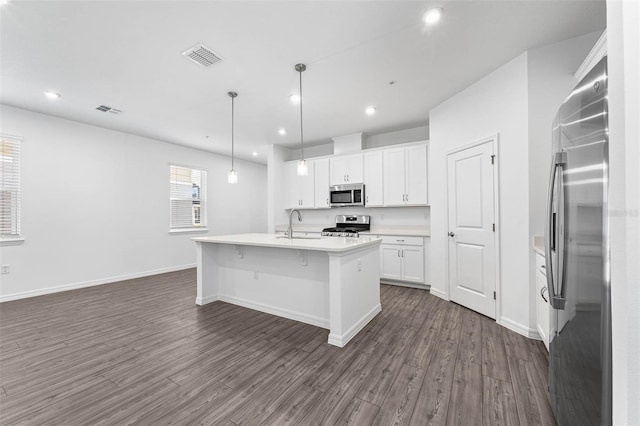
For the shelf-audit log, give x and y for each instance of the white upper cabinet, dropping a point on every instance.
(416, 177)
(373, 179)
(405, 176)
(300, 189)
(347, 169)
(322, 183)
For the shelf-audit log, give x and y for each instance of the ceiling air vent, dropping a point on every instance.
(202, 55)
(105, 108)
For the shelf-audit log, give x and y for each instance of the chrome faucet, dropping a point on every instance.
(290, 228)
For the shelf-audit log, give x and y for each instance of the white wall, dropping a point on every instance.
(623, 40)
(413, 134)
(387, 216)
(498, 103)
(518, 102)
(95, 204)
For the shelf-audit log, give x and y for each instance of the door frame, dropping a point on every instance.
(494, 140)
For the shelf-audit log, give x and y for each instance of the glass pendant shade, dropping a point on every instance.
(303, 170)
(232, 177)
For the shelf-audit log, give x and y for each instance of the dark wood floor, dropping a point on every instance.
(141, 351)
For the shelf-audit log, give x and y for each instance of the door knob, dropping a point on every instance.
(451, 234)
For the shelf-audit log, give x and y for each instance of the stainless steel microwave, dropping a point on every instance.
(346, 195)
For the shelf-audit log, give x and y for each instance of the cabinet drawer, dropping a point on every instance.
(540, 264)
(406, 241)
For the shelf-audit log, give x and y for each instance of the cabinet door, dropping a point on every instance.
(322, 183)
(413, 263)
(355, 169)
(393, 175)
(373, 182)
(291, 186)
(306, 191)
(542, 308)
(416, 175)
(391, 261)
(339, 168)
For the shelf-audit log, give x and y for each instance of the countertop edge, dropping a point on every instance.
(292, 246)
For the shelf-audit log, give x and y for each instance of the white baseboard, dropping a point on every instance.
(438, 293)
(67, 287)
(407, 284)
(531, 333)
(341, 341)
(205, 300)
(275, 310)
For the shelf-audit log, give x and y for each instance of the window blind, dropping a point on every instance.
(187, 197)
(9, 186)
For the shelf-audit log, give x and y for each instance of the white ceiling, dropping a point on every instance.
(127, 54)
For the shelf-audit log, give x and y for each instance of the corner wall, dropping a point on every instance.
(498, 103)
(623, 40)
(95, 205)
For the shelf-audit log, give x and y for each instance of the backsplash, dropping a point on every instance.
(394, 216)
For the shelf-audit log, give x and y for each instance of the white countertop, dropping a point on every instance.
(407, 231)
(538, 245)
(328, 244)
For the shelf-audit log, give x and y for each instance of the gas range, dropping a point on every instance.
(348, 226)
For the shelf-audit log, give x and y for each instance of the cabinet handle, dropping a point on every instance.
(400, 241)
(367, 199)
(398, 253)
(407, 198)
(542, 290)
(327, 201)
(402, 253)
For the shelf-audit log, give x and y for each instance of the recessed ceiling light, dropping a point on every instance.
(254, 153)
(432, 16)
(282, 132)
(51, 94)
(370, 110)
(294, 98)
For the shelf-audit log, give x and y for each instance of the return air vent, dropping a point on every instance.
(105, 108)
(202, 55)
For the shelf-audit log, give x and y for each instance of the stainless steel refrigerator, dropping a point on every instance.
(577, 257)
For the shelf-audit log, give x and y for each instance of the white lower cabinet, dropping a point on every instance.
(542, 301)
(402, 258)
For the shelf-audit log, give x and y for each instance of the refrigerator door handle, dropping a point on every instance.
(550, 248)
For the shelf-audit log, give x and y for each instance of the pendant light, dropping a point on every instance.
(302, 165)
(233, 175)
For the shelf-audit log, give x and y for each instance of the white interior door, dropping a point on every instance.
(472, 253)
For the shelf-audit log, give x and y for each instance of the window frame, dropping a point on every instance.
(15, 180)
(202, 201)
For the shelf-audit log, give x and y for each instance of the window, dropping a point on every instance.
(187, 198)
(9, 188)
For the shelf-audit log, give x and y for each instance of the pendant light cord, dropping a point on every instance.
(301, 132)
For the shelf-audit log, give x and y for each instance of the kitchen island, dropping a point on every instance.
(330, 282)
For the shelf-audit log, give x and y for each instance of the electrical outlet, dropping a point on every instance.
(6, 269)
